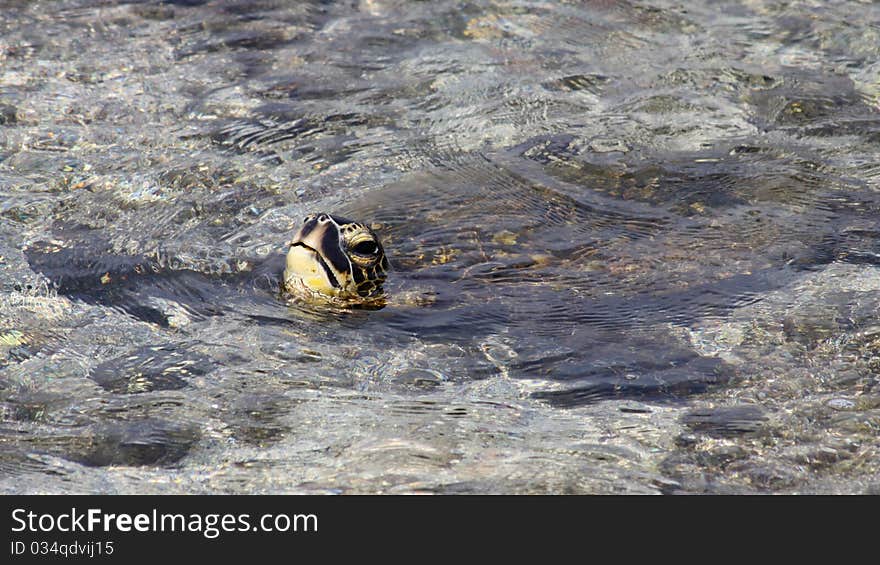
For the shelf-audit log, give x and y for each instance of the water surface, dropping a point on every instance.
(635, 246)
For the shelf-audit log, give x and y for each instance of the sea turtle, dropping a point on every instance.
(337, 260)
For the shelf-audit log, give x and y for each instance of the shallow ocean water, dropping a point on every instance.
(635, 246)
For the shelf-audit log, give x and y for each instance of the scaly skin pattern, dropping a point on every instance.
(336, 260)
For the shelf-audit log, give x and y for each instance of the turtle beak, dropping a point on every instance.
(316, 257)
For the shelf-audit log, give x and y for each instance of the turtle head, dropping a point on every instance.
(334, 257)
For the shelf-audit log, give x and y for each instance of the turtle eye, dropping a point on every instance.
(366, 248)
